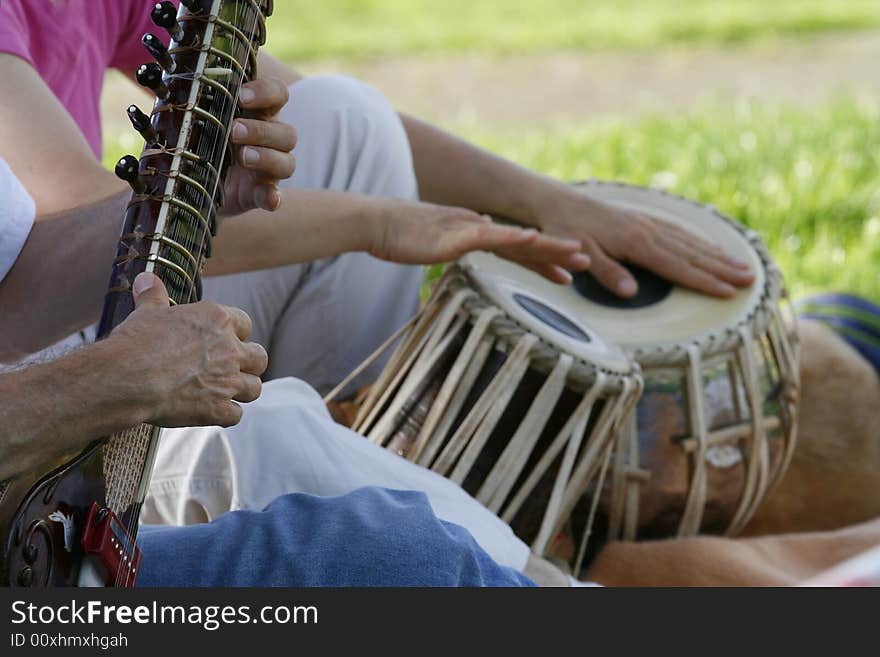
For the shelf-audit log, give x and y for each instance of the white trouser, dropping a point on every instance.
(287, 442)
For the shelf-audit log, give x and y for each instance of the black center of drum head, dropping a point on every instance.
(550, 317)
(652, 289)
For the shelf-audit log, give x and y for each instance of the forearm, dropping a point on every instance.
(451, 171)
(64, 267)
(44, 146)
(65, 264)
(57, 408)
(310, 224)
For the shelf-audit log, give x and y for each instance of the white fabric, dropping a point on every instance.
(287, 442)
(17, 212)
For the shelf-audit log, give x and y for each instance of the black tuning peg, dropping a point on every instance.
(150, 76)
(128, 169)
(159, 51)
(164, 14)
(141, 123)
(195, 6)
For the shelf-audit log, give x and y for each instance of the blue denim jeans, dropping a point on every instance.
(370, 537)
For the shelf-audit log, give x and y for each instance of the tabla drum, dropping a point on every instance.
(715, 427)
(503, 390)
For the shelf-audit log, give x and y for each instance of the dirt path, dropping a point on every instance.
(534, 90)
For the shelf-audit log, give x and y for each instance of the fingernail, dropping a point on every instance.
(626, 286)
(143, 282)
(247, 96)
(580, 260)
(726, 290)
(239, 131)
(530, 232)
(739, 263)
(274, 199)
(250, 155)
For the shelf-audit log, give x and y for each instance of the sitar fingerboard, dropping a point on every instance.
(172, 216)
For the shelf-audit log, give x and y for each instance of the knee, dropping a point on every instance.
(356, 113)
(354, 125)
(335, 92)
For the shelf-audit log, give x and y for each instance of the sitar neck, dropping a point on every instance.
(178, 181)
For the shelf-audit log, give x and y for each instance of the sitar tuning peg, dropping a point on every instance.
(141, 123)
(150, 76)
(159, 51)
(128, 169)
(164, 15)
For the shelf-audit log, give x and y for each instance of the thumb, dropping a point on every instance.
(149, 291)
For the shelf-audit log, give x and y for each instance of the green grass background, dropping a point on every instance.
(319, 28)
(806, 179)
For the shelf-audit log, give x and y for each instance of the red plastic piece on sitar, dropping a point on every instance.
(107, 539)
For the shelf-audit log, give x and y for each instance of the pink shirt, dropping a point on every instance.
(71, 43)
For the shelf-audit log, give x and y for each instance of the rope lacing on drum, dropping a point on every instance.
(544, 355)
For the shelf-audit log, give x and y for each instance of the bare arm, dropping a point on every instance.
(56, 408)
(309, 224)
(492, 184)
(322, 224)
(182, 366)
(44, 146)
(65, 266)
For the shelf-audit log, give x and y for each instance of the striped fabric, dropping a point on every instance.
(856, 320)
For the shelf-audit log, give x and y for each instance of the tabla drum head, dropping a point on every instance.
(535, 303)
(662, 315)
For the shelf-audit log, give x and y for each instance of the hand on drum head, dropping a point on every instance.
(422, 233)
(612, 236)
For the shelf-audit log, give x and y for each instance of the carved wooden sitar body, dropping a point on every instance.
(75, 522)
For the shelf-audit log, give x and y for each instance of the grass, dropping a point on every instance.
(367, 28)
(806, 180)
